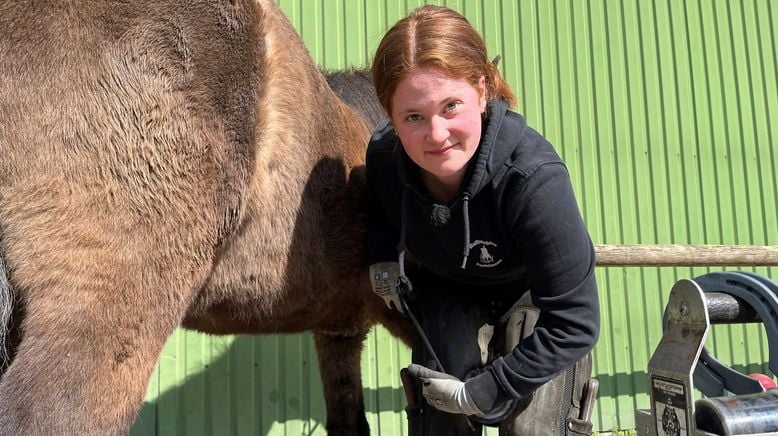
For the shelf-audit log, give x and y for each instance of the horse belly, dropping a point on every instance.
(296, 261)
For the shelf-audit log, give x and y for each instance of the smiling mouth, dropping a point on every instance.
(442, 150)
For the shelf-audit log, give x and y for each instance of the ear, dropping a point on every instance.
(482, 91)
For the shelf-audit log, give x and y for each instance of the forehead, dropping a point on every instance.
(428, 85)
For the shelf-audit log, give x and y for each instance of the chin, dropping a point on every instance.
(448, 171)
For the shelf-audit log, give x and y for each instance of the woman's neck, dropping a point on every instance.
(442, 190)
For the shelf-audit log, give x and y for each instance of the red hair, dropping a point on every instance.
(438, 37)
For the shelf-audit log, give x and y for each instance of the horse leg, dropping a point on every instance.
(339, 363)
(99, 301)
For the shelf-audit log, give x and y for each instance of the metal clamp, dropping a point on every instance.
(681, 363)
(670, 368)
(712, 377)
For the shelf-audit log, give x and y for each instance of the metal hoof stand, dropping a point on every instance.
(735, 404)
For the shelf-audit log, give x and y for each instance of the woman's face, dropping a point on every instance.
(438, 120)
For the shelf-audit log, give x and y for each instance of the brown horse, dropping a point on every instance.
(355, 87)
(167, 163)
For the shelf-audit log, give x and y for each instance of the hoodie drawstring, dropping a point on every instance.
(403, 228)
(466, 213)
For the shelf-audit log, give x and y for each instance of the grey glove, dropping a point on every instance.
(444, 392)
(384, 277)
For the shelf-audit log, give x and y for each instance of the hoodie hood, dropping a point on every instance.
(490, 160)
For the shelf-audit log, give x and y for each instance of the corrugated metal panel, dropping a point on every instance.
(665, 113)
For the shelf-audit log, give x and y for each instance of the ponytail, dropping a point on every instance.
(497, 88)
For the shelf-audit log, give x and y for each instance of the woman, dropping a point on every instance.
(474, 211)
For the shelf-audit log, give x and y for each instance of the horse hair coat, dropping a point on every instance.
(167, 163)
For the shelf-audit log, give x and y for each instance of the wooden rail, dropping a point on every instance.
(686, 255)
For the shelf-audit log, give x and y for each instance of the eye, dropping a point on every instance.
(413, 118)
(450, 107)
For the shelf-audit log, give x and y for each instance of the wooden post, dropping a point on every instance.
(686, 255)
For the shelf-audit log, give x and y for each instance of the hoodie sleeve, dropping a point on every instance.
(550, 235)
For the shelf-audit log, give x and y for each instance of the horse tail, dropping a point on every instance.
(6, 308)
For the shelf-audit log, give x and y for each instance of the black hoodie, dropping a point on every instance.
(514, 220)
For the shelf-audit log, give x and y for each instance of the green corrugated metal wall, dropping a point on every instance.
(666, 112)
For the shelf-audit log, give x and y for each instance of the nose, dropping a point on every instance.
(438, 130)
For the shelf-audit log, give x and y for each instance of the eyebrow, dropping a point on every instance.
(408, 111)
(443, 102)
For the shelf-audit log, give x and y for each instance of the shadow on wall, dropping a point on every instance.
(254, 385)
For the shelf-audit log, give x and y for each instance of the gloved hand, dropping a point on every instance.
(384, 277)
(444, 392)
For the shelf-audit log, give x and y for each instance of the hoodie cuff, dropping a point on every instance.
(486, 392)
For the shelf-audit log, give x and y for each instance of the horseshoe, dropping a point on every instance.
(712, 377)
